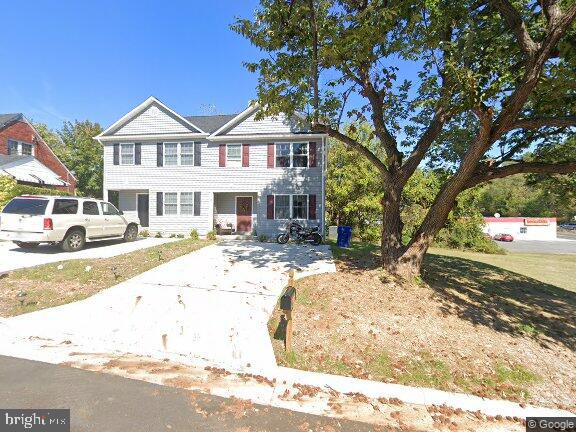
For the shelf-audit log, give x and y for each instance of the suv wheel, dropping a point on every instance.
(131, 233)
(74, 240)
(26, 245)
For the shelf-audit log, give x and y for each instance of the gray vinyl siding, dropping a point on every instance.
(210, 179)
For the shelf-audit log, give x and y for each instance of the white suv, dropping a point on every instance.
(29, 220)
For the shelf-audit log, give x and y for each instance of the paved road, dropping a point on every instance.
(12, 257)
(101, 402)
(208, 307)
(561, 246)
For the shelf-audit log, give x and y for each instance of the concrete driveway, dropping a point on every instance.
(209, 307)
(12, 257)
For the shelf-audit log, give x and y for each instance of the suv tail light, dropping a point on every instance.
(48, 224)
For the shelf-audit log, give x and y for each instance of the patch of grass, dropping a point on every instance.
(516, 374)
(381, 367)
(426, 371)
(66, 281)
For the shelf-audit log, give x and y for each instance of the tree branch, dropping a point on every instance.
(522, 168)
(375, 99)
(336, 134)
(517, 25)
(426, 139)
(515, 102)
(539, 122)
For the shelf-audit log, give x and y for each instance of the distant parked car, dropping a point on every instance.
(568, 226)
(504, 237)
(69, 222)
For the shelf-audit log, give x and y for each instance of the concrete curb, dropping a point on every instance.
(416, 395)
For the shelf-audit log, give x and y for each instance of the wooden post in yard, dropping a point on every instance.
(288, 315)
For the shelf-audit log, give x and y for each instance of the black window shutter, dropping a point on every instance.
(159, 154)
(197, 203)
(197, 154)
(116, 148)
(159, 203)
(137, 154)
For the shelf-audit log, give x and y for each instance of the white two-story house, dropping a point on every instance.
(227, 173)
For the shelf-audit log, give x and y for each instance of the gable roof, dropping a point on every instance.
(148, 103)
(6, 159)
(210, 123)
(6, 119)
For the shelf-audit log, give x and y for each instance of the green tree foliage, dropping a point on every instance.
(9, 189)
(76, 148)
(354, 193)
(494, 80)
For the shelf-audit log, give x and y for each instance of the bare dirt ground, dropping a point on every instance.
(467, 327)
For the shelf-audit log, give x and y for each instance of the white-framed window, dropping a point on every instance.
(187, 203)
(170, 154)
(170, 203)
(291, 206)
(187, 153)
(523, 230)
(293, 155)
(20, 148)
(283, 155)
(299, 206)
(300, 155)
(282, 207)
(233, 155)
(26, 149)
(126, 154)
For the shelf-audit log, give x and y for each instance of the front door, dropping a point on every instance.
(244, 214)
(143, 209)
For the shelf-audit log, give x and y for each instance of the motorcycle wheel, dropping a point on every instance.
(315, 239)
(282, 238)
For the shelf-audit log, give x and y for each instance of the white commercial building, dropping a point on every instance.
(522, 228)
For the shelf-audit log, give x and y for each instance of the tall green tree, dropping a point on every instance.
(493, 76)
(75, 147)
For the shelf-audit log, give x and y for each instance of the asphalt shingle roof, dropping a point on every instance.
(210, 123)
(8, 118)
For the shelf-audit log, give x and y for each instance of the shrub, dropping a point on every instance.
(144, 233)
(466, 233)
(211, 235)
(263, 238)
(172, 235)
(10, 189)
(180, 235)
(158, 235)
(194, 234)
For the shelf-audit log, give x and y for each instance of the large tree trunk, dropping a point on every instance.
(391, 240)
(406, 261)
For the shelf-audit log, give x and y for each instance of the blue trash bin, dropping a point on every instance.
(344, 236)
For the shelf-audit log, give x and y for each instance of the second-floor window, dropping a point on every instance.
(127, 154)
(170, 154)
(179, 154)
(233, 155)
(20, 148)
(292, 155)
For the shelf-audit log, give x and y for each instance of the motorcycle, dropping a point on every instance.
(299, 233)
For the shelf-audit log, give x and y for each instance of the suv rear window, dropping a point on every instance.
(65, 206)
(27, 206)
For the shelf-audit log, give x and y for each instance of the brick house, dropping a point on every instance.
(26, 157)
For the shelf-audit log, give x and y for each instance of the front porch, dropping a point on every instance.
(235, 213)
